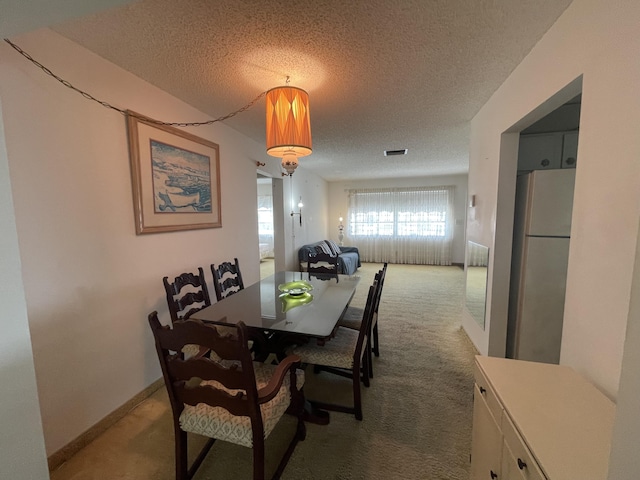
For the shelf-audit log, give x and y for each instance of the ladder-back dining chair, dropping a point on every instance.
(186, 295)
(375, 345)
(227, 279)
(345, 354)
(352, 318)
(232, 398)
(322, 264)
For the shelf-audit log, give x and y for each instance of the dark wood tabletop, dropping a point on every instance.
(265, 306)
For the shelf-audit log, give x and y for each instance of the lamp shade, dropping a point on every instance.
(288, 125)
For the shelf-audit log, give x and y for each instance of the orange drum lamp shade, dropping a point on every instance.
(288, 125)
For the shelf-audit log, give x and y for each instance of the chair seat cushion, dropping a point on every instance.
(217, 422)
(352, 318)
(336, 352)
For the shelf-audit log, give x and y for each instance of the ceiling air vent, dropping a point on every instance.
(388, 153)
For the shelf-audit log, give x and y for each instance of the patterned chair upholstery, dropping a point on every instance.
(337, 352)
(216, 422)
(229, 398)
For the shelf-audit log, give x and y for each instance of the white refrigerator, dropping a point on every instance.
(542, 228)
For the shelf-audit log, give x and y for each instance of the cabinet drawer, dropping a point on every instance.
(517, 459)
(489, 395)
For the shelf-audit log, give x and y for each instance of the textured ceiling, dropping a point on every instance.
(380, 74)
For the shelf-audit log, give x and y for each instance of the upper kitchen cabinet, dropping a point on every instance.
(544, 151)
(540, 151)
(552, 141)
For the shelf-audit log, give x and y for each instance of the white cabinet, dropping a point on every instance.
(540, 151)
(544, 151)
(486, 441)
(538, 421)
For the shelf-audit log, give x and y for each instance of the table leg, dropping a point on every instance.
(260, 347)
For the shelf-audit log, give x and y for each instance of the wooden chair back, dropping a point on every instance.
(322, 264)
(182, 300)
(365, 325)
(229, 385)
(178, 372)
(374, 344)
(227, 279)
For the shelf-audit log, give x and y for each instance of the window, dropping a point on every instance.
(405, 225)
(265, 225)
(265, 221)
(414, 213)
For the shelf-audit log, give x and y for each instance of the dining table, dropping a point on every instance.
(296, 304)
(287, 308)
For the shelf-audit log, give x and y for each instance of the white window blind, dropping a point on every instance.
(402, 225)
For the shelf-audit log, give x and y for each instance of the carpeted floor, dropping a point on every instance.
(417, 412)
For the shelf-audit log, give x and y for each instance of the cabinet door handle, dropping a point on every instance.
(521, 465)
(483, 390)
(494, 474)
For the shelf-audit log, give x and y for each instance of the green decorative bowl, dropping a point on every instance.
(292, 301)
(296, 288)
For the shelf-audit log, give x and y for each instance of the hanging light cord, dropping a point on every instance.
(125, 112)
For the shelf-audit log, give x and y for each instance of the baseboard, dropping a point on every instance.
(461, 265)
(466, 336)
(65, 453)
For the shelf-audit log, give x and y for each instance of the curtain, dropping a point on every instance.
(402, 225)
(265, 225)
(477, 255)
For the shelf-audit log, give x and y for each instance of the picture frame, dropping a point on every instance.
(175, 178)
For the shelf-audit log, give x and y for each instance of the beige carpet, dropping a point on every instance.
(417, 412)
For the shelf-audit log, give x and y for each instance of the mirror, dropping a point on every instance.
(476, 285)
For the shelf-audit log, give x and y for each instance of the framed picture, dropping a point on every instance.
(175, 178)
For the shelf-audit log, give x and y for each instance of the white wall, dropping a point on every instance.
(89, 280)
(624, 442)
(600, 41)
(339, 203)
(314, 193)
(22, 454)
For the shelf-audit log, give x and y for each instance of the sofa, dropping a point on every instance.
(348, 257)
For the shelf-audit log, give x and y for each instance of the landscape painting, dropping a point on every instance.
(181, 179)
(175, 177)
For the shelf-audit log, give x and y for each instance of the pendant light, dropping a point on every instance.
(288, 125)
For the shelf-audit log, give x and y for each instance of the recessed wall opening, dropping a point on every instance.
(546, 163)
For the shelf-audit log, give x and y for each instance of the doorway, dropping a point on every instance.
(266, 229)
(546, 165)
